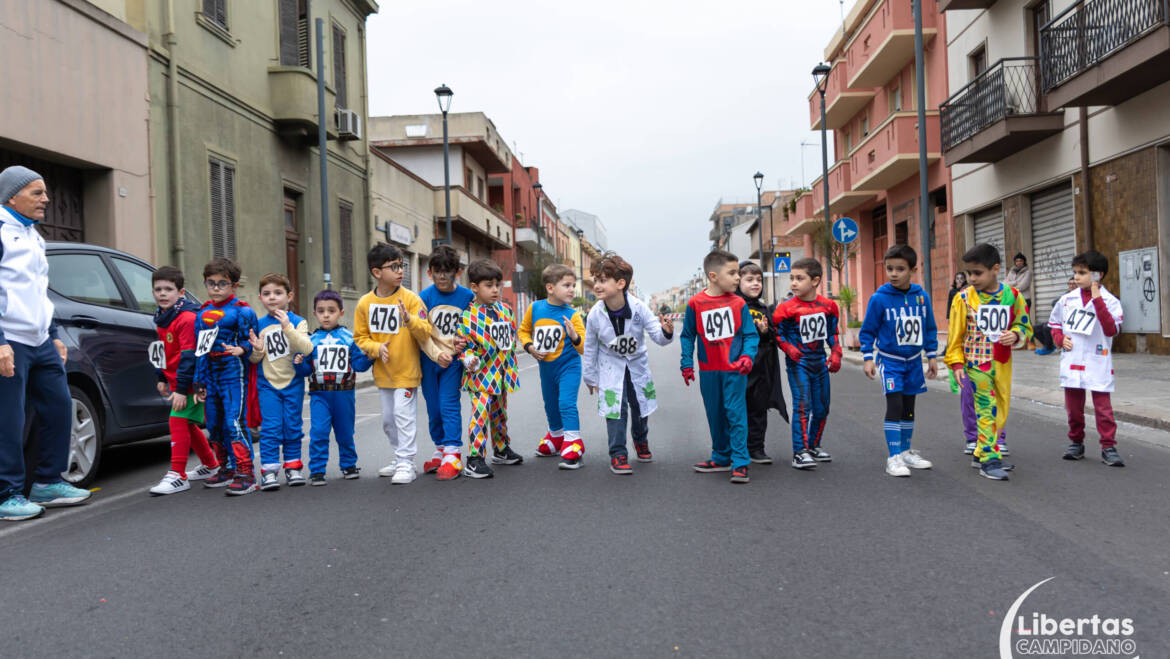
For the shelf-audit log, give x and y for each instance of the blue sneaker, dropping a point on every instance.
(995, 470)
(1045, 351)
(57, 494)
(16, 508)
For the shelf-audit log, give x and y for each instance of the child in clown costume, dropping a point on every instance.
(489, 367)
(987, 319)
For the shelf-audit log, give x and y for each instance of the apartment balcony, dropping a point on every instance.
(996, 114)
(842, 196)
(885, 43)
(890, 153)
(948, 5)
(475, 218)
(1103, 52)
(802, 220)
(841, 103)
(292, 91)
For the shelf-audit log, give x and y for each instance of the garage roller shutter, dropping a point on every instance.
(989, 228)
(1053, 245)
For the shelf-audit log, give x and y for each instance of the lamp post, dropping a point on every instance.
(920, 102)
(759, 181)
(536, 188)
(820, 74)
(443, 94)
(770, 268)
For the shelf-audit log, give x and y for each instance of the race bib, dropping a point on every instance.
(333, 360)
(992, 320)
(445, 319)
(909, 330)
(813, 327)
(1080, 321)
(276, 345)
(384, 319)
(625, 345)
(547, 338)
(206, 341)
(158, 355)
(501, 333)
(718, 324)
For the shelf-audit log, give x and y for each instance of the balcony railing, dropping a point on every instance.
(1007, 88)
(1088, 31)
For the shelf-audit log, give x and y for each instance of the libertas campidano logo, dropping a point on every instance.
(1038, 634)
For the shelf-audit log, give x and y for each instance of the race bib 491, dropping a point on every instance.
(717, 324)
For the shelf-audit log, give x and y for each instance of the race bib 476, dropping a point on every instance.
(384, 319)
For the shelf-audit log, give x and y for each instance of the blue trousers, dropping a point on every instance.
(282, 426)
(616, 428)
(441, 391)
(560, 382)
(221, 413)
(334, 410)
(39, 384)
(724, 399)
(810, 403)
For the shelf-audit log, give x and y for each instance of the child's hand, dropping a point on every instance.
(460, 344)
(834, 363)
(402, 315)
(667, 324)
(871, 369)
(257, 344)
(178, 402)
(1067, 344)
(162, 389)
(688, 376)
(761, 326)
(1008, 338)
(384, 353)
(743, 365)
(931, 369)
(237, 351)
(471, 362)
(201, 395)
(570, 332)
(592, 389)
(1095, 287)
(444, 359)
(538, 356)
(282, 316)
(298, 358)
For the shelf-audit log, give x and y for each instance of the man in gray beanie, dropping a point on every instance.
(32, 358)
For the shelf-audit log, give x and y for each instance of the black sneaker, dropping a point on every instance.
(1111, 457)
(317, 479)
(803, 460)
(220, 478)
(740, 475)
(820, 455)
(710, 466)
(759, 457)
(1075, 451)
(506, 457)
(994, 469)
(477, 467)
(1006, 466)
(350, 473)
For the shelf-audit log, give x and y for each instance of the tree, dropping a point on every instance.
(838, 252)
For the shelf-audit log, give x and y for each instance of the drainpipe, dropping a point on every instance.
(1086, 188)
(178, 246)
(366, 137)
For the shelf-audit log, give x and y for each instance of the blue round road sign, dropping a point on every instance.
(844, 230)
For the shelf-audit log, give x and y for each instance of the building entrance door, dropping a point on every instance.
(292, 251)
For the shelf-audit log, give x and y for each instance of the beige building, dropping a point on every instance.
(75, 109)
(404, 209)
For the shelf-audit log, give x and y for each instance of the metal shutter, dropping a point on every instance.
(989, 228)
(216, 11)
(345, 222)
(1053, 243)
(289, 37)
(223, 209)
(407, 267)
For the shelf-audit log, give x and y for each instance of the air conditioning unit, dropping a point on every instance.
(349, 125)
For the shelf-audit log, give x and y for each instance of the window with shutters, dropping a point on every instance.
(216, 12)
(339, 85)
(345, 219)
(294, 33)
(223, 209)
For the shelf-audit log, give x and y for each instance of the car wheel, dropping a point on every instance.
(85, 441)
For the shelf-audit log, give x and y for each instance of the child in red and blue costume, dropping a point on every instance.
(727, 342)
(804, 324)
(221, 373)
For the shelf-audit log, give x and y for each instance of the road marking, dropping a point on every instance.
(54, 514)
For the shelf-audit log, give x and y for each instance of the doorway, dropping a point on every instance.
(292, 250)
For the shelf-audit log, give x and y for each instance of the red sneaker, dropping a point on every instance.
(432, 465)
(449, 471)
(620, 465)
(573, 451)
(642, 449)
(550, 446)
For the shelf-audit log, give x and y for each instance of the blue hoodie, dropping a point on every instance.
(899, 324)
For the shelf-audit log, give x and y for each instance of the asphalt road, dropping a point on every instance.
(842, 561)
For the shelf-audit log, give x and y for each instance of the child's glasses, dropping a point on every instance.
(216, 285)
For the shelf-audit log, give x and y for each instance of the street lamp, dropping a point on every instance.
(443, 94)
(759, 181)
(820, 74)
(536, 189)
(770, 269)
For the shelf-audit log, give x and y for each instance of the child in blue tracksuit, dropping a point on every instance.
(899, 326)
(727, 337)
(222, 331)
(280, 338)
(332, 368)
(552, 332)
(445, 301)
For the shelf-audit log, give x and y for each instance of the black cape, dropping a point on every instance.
(765, 386)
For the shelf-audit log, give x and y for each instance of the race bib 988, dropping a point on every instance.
(501, 333)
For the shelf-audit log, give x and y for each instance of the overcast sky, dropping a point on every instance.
(642, 112)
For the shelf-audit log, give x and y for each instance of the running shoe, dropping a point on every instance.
(1111, 457)
(820, 455)
(220, 478)
(268, 481)
(201, 473)
(710, 466)
(759, 457)
(620, 465)
(506, 457)
(294, 477)
(642, 450)
(403, 474)
(803, 460)
(57, 494)
(170, 484)
(969, 448)
(317, 479)
(241, 485)
(17, 508)
(895, 466)
(994, 470)
(550, 446)
(350, 473)
(477, 467)
(913, 460)
(740, 475)
(1075, 451)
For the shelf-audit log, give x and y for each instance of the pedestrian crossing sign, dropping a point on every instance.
(782, 262)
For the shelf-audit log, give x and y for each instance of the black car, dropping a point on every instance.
(104, 312)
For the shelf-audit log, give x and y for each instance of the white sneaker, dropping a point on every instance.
(268, 481)
(403, 474)
(914, 461)
(388, 470)
(170, 484)
(895, 467)
(202, 473)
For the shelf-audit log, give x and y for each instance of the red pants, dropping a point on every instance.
(1074, 404)
(185, 436)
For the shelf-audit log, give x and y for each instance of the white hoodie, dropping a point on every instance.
(26, 313)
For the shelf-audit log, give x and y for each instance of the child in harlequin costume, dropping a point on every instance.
(390, 325)
(489, 361)
(221, 347)
(987, 319)
(332, 368)
(765, 388)
(173, 356)
(1083, 324)
(805, 323)
(281, 335)
(727, 340)
(446, 301)
(615, 360)
(899, 327)
(552, 332)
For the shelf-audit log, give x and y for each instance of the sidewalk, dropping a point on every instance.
(1141, 392)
